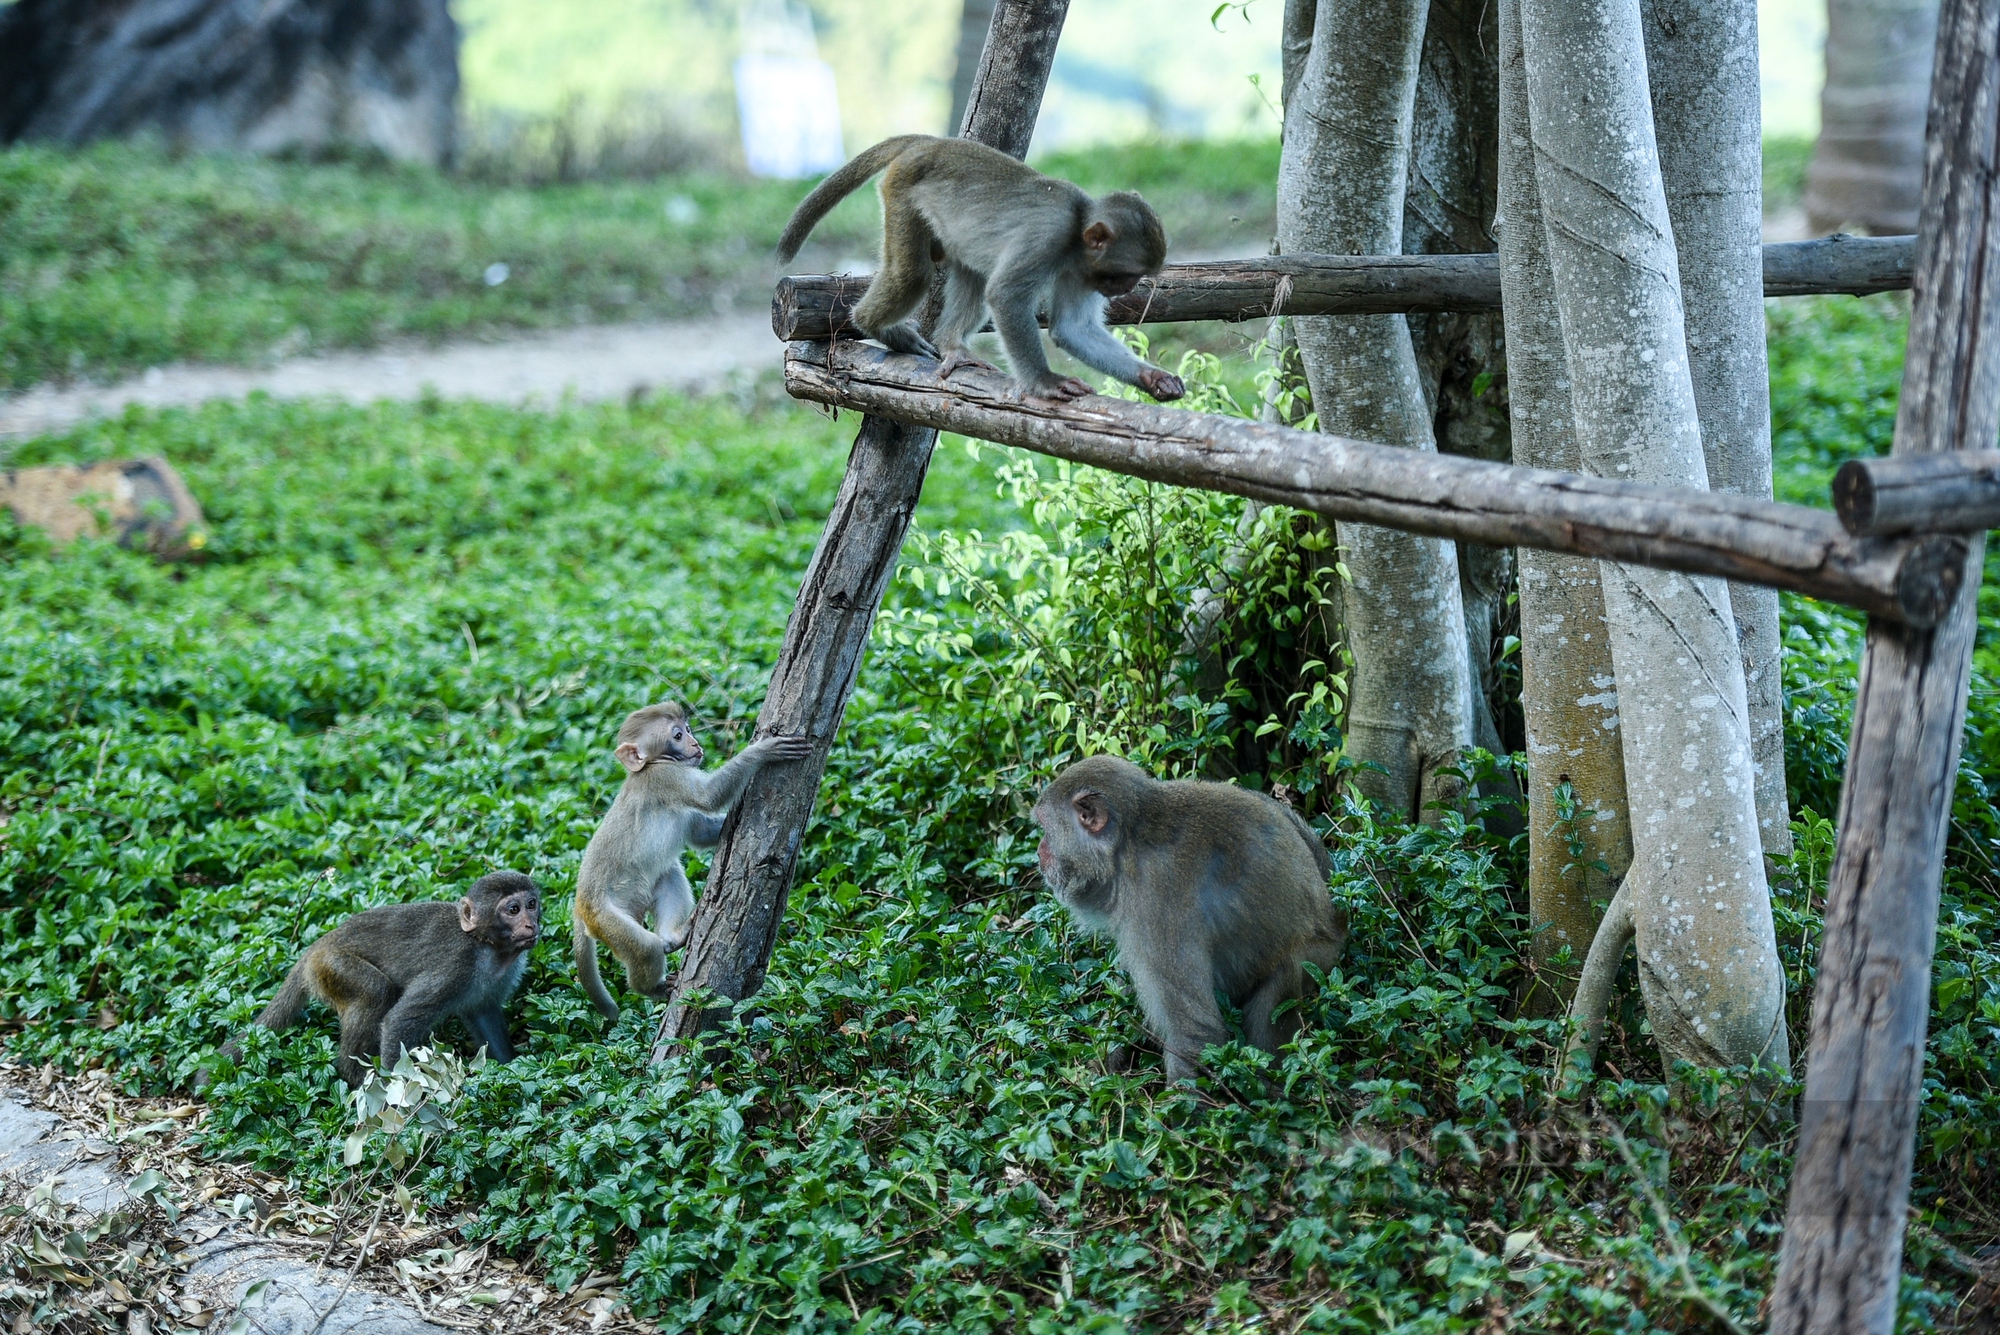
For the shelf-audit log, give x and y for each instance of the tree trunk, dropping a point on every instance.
(1843, 1251)
(1447, 210)
(264, 75)
(1569, 694)
(1341, 187)
(1707, 951)
(974, 19)
(1867, 166)
(1295, 44)
(1701, 56)
(736, 921)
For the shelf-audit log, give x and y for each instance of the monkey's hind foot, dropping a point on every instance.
(963, 361)
(904, 337)
(1061, 388)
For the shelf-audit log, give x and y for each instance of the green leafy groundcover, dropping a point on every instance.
(401, 668)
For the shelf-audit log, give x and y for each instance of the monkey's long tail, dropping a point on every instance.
(586, 971)
(283, 1010)
(843, 182)
(290, 1002)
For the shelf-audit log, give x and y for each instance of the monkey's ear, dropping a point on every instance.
(628, 756)
(468, 916)
(1091, 812)
(1098, 235)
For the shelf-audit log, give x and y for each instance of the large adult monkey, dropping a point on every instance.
(1204, 887)
(1009, 237)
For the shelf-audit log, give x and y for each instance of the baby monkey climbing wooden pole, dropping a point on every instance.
(736, 923)
(1841, 1264)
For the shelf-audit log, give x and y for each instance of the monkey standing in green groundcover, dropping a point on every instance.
(1010, 238)
(394, 971)
(1205, 887)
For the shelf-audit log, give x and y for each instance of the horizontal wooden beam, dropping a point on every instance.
(1912, 580)
(1957, 491)
(811, 307)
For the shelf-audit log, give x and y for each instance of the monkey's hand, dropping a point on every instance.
(1162, 385)
(1058, 387)
(782, 748)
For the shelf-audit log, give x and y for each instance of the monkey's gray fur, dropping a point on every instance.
(632, 865)
(1008, 236)
(394, 971)
(1204, 887)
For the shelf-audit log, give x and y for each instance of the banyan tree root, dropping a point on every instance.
(1592, 1002)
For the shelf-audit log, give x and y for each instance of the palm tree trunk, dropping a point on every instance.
(1701, 57)
(1578, 849)
(1699, 905)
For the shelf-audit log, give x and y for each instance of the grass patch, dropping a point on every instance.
(121, 257)
(1785, 160)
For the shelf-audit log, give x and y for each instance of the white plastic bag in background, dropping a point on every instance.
(791, 116)
(786, 100)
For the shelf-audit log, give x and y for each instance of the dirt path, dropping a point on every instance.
(593, 363)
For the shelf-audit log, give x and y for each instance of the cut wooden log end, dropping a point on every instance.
(1928, 580)
(137, 503)
(1957, 491)
(1909, 580)
(815, 307)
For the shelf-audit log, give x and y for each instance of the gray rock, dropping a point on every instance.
(234, 1259)
(36, 1146)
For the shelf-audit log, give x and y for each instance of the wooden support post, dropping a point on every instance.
(813, 306)
(1841, 1261)
(736, 922)
(1913, 580)
(1958, 490)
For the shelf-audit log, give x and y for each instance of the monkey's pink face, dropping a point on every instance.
(671, 742)
(677, 743)
(514, 923)
(1072, 833)
(519, 917)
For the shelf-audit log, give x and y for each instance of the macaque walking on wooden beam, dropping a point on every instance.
(1010, 238)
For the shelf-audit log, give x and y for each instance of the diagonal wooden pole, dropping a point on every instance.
(1842, 1256)
(736, 922)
